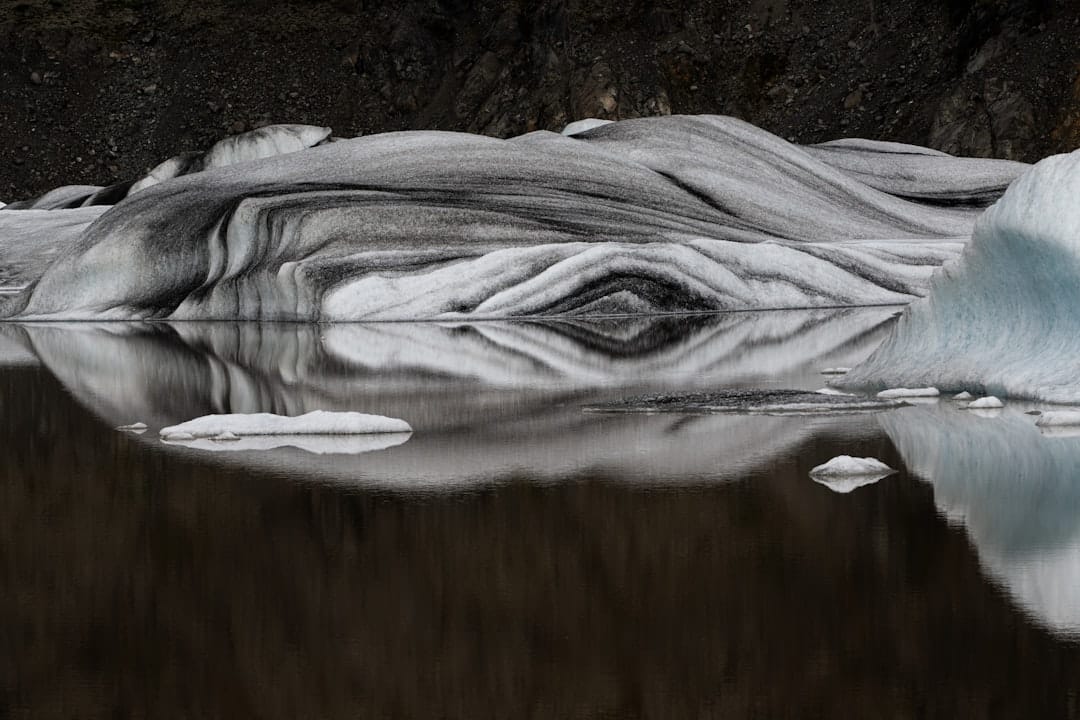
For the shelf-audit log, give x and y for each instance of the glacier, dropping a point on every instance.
(669, 214)
(1000, 320)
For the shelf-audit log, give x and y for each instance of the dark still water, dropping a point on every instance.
(517, 557)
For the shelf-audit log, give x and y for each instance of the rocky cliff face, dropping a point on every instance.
(95, 91)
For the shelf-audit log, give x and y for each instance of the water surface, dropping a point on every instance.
(516, 557)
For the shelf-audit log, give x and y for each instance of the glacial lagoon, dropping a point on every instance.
(516, 556)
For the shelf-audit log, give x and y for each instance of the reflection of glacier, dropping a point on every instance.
(485, 399)
(1016, 491)
(658, 214)
(1003, 319)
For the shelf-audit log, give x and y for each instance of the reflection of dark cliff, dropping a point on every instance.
(136, 587)
(97, 91)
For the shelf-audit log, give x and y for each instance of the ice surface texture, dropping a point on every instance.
(1002, 319)
(657, 214)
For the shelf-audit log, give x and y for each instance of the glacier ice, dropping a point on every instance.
(664, 214)
(1002, 319)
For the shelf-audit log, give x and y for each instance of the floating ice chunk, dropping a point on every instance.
(836, 371)
(226, 436)
(897, 393)
(847, 466)
(138, 427)
(987, 403)
(318, 422)
(834, 392)
(845, 473)
(963, 396)
(579, 126)
(314, 444)
(1059, 418)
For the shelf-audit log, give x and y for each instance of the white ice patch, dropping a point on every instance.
(963, 396)
(987, 403)
(318, 422)
(903, 393)
(833, 391)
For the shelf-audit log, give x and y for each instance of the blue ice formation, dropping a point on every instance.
(650, 215)
(1003, 318)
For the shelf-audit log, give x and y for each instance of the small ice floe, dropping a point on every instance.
(963, 396)
(908, 393)
(836, 371)
(314, 444)
(134, 428)
(226, 436)
(834, 392)
(845, 473)
(319, 422)
(985, 403)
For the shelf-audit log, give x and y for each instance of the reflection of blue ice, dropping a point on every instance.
(1016, 491)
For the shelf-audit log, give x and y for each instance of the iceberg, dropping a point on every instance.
(1001, 319)
(652, 215)
(316, 422)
